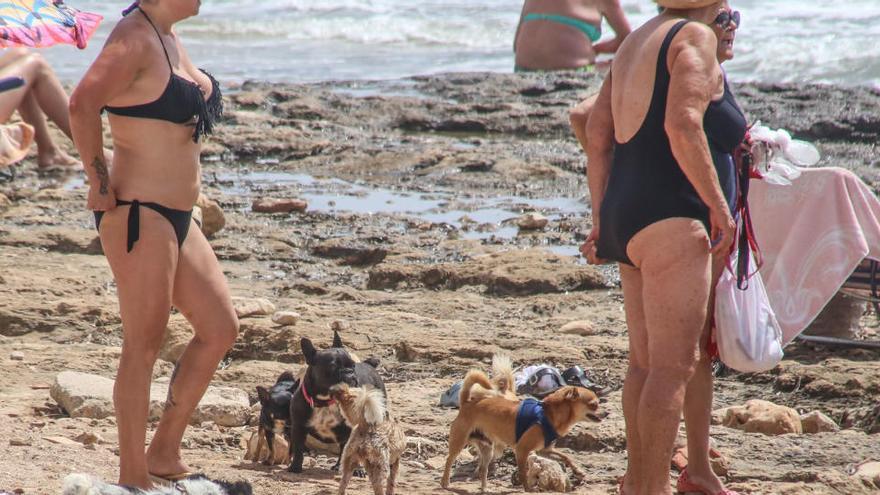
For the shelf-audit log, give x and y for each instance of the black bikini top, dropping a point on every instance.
(181, 101)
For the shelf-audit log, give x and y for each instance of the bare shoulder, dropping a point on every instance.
(695, 35)
(131, 36)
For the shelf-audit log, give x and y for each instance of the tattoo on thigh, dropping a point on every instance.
(169, 400)
(103, 174)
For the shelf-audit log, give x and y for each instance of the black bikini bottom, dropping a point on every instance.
(179, 219)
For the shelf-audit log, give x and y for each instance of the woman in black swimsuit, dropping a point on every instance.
(160, 107)
(662, 183)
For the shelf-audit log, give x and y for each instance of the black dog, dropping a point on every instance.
(275, 410)
(312, 411)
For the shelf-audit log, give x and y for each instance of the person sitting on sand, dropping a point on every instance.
(42, 95)
(564, 34)
(662, 185)
(160, 107)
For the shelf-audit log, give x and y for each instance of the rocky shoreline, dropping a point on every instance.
(415, 245)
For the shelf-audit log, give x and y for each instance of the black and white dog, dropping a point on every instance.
(312, 411)
(83, 484)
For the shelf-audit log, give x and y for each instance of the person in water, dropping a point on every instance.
(564, 34)
(662, 181)
(160, 108)
(41, 95)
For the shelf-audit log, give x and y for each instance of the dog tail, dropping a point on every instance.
(77, 484)
(502, 373)
(473, 377)
(370, 403)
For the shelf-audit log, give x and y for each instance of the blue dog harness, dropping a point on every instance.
(531, 412)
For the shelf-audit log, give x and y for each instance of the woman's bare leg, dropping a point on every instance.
(636, 372)
(144, 278)
(48, 153)
(42, 93)
(202, 295)
(673, 258)
(698, 404)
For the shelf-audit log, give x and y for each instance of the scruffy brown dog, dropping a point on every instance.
(377, 442)
(506, 421)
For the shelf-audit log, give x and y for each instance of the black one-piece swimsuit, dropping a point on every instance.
(646, 183)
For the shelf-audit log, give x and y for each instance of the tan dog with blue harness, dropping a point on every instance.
(527, 426)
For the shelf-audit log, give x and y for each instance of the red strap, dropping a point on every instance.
(310, 400)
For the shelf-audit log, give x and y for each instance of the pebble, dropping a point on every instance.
(532, 221)
(273, 205)
(579, 327)
(19, 442)
(285, 318)
(16, 356)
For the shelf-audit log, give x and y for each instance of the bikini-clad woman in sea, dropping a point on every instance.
(564, 34)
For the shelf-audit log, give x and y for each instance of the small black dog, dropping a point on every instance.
(275, 410)
(312, 411)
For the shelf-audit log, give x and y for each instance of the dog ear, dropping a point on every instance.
(308, 350)
(337, 340)
(263, 395)
(572, 394)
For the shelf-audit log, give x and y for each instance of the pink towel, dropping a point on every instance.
(812, 234)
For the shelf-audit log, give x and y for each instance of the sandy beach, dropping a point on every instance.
(410, 246)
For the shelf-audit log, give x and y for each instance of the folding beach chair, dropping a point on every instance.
(864, 283)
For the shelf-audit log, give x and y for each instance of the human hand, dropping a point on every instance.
(723, 230)
(101, 199)
(588, 248)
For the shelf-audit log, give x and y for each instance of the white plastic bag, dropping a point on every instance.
(748, 335)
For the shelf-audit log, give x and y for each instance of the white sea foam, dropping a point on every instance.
(308, 40)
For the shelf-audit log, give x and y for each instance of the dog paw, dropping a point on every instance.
(360, 473)
(295, 469)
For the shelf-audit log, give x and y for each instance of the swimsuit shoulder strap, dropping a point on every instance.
(167, 58)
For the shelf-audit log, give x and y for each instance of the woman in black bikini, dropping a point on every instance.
(160, 106)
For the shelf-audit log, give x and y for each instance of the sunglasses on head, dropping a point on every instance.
(726, 17)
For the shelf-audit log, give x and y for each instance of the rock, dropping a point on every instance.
(868, 472)
(91, 396)
(760, 416)
(546, 475)
(405, 353)
(16, 356)
(259, 455)
(350, 253)
(4, 201)
(532, 221)
(89, 438)
(177, 337)
(505, 273)
(816, 422)
(213, 219)
(839, 318)
(274, 205)
(60, 440)
(19, 442)
(245, 307)
(285, 318)
(579, 327)
(340, 326)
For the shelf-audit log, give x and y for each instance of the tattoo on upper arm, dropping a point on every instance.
(103, 174)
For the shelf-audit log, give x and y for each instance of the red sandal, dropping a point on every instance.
(685, 485)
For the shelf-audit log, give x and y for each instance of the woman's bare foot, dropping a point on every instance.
(55, 159)
(166, 466)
